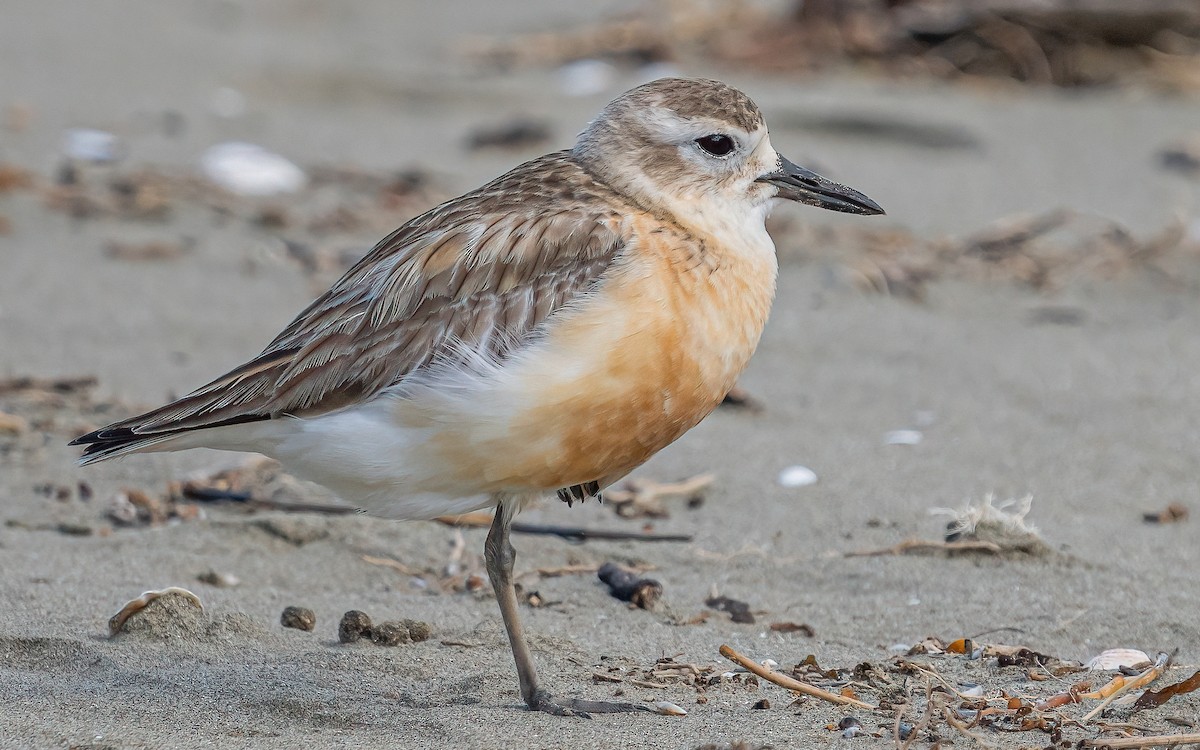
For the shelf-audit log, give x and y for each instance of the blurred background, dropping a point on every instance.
(178, 178)
(953, 114)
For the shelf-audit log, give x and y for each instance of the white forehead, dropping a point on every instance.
(674, 127)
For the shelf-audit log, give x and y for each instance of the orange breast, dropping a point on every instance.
(649, 357)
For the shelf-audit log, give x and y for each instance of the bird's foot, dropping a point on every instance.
(546, 703)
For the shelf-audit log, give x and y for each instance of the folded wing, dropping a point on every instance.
(476, 276)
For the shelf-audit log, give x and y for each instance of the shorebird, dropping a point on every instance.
(546, 333)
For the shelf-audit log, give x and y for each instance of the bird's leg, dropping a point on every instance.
(499, 556)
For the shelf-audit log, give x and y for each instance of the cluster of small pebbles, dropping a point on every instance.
(357, 626)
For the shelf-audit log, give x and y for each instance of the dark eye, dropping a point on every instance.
(716, 145)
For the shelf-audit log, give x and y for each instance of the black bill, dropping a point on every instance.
(796, 183)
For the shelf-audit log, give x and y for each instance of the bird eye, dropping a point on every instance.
(715, 145)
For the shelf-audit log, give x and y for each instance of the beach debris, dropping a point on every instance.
(1120, 685)
(850, 727)
(761, 704)
(514, 134)
(1054, 42)
(971, 709)
(797, 476)
(667, 708)
(532, 599)
(628, 586)
(298, 618)
(1000, 523)
(131, 506)
(790, 683)
(216, 578)
(179, 600)
(1173, 513)
(642, 498)
(801, 628)
(356, 626)
(924, 546)
(1044, 252)
(1155, 698)
(1119, 658)
(739, 611)
(92, 145)
(389, 634)
(1034, 662)
(807, 668)
(251, 170)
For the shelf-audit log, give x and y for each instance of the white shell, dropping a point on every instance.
(797, 476)
(667, 708)
(89, 144)
(1115, 658)
(247, 169)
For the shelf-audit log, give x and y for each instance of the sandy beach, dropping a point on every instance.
(1076, 386)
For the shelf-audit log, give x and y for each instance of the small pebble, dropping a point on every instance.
(850, 727)
(222, 580)
(299, 618)
(390, 634)
(354, 626)
(417, 630)
(761, 704)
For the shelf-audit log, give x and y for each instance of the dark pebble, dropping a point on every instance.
(390, 634)
(354, 625)
(299, 618)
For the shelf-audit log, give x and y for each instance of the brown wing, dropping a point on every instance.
(480, 273)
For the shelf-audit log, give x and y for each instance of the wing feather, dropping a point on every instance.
(478, 275)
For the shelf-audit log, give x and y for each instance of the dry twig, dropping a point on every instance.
(1142, 680)
(921, 545)
(783, 680)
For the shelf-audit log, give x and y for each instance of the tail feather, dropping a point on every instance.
(129, 436)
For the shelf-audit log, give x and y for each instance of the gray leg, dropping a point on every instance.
(499, 556)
